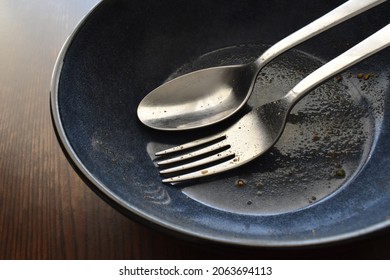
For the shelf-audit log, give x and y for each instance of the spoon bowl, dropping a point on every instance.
(199, 98)
(208, 96)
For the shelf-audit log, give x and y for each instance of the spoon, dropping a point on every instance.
(208, 96)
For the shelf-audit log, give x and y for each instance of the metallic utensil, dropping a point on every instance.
(211, 95)
(260, 129)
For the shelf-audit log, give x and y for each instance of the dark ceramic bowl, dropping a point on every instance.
(325, 181)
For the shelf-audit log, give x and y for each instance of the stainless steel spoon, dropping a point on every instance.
(258, 130)
(211, 95)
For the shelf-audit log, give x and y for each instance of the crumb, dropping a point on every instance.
(240, 183)
(316, 138)
(340, 173)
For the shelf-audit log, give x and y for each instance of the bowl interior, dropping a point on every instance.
(326, 178)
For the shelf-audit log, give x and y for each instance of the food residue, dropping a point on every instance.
(240, 183)
(363, 76)
(340, 173)
(315, 137)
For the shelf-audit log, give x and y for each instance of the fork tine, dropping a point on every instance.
(191, 144)
(218, 168)
(212, 148)
(218, 157)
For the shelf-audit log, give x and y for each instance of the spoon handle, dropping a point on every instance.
(343, 12)
(373, 44)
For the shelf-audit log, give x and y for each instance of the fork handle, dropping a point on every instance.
(373, 44)
(343, 12)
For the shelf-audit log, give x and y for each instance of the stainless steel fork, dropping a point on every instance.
(260, 129)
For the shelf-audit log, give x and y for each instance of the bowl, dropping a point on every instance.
(326, 179)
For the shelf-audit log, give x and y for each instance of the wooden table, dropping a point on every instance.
(46, 211)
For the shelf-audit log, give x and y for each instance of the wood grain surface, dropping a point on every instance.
(46, 210)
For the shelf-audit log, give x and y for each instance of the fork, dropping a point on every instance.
(260, 129)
